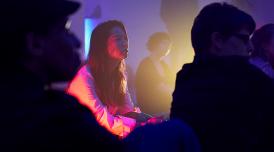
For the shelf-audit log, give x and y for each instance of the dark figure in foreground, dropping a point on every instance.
(171, 135)
(40, 50)
(227, 101)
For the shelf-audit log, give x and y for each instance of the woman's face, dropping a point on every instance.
(117, 43)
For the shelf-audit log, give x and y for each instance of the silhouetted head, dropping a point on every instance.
(36, 37)
(222, 29)
(263, 42)
(159, 43)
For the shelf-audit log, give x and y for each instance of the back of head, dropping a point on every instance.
(155, 39)
(260, 39)
(20, 18)
(218, 17)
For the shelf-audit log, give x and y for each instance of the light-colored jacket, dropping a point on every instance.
(83, 88)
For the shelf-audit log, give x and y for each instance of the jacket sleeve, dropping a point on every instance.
(82, 87)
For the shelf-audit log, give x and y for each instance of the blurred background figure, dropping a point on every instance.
(263, 54)
(154, 79)
(101, 83)
(38, 49)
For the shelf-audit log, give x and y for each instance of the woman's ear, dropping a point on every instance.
(34, 44)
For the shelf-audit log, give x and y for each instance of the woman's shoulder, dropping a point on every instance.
(84, 71)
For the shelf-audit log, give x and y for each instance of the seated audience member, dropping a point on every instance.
(154, 79)
(263, 54)
(227, 101)
(37, 49)
(101, 83)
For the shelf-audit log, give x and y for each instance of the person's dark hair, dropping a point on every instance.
(155, 39)
(14, 42)
(218, 17)
(20, 17)
(260, 38)
(97, 61)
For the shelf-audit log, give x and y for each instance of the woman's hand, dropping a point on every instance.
(139, 117)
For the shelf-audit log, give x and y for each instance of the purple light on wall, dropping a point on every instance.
(89, 26)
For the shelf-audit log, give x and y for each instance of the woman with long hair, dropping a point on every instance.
(101, 83)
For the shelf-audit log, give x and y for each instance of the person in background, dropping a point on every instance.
(226, 100)
(154, 79)
(101, 83)
(263, 54)
(38, 49)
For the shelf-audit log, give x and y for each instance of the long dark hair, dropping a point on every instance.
(110, 85)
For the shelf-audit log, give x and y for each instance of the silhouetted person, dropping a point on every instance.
(101, 83)
(38, 50)
(154, 79)
(263, 54)
(227, 101)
